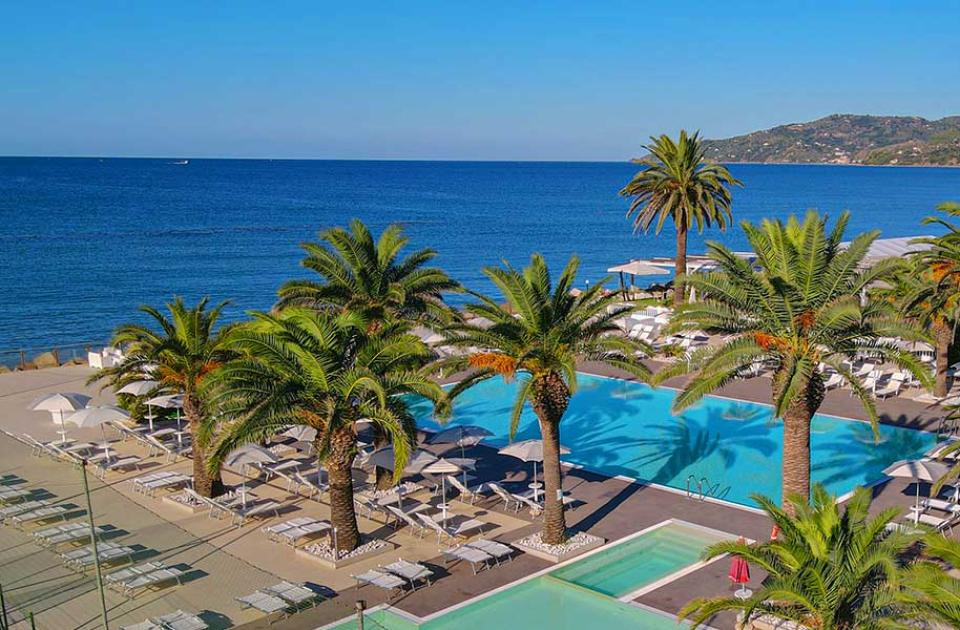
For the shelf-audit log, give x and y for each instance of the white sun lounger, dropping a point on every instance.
(113, 580)
(380, 579)
(109, 553)
(296, 595)
(938, 523)
(272, 531)
(266, 603)
(77, 532)
(150, 580)
(22, 508)
(496, 549)
(412, 572)
(108, 465)
(463, 553)
(241, 513)
(177, 620)
(172, 482)
(13, 495)
(42, 514)
(504, 496)
(415, 526)
(468, 495)
(295, 534)
(453, 529)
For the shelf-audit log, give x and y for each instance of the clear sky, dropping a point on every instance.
(454, 80)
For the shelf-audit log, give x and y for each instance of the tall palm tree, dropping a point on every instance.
(538, 337)
(797, 308)
(831, 567)
(327, 371)
(181, 352)
(676, 182)
(371, 277)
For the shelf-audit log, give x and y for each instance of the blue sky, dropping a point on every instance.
(449, 80)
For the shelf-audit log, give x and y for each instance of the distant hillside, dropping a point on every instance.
(848, 139)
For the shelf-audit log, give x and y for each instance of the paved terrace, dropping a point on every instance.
(227, 562)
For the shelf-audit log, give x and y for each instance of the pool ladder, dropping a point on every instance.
(702, 484)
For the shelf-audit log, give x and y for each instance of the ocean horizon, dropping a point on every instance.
(87, 240)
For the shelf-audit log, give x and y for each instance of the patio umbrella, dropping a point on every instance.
(138, 388)
(167, 401)
(419, 459)
(444, 467)
(919, 470)
(530, 451)
(59, 402)
(249, 454)
(463, 436)
(97, 417)
(740, 574)
(301, 433)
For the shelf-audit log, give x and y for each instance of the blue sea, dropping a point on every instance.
(85, 241)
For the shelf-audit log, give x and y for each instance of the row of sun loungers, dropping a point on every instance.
(142, 577)
(480, 553)
(284, 597)
(177, 620)
(150, 484)
(293, 531)
(396, 576)
(65, 533)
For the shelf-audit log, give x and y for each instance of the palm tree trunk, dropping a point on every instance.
(943, 336)
(343, 517)
(550, 399)
(796, 443)
(205, 483)
(679, 295)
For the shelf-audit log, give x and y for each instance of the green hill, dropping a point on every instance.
(848, 139)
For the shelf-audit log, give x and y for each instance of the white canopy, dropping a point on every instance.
(465, 435)
(167, 401)
(96, 416)
(301, 433)
(529, 450)
(59, 401)
(639, 268)
(419, 459)
(138, 388)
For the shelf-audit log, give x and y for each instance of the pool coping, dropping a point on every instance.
(746, 508)
(626, 599)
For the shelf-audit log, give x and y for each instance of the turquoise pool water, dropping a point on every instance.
(578, 595)
(621, 428)
(628, 566)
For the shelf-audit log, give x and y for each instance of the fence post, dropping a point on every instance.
(23, 360)
(93, 540)
(32, 625)
(4, 624)
(361, 606)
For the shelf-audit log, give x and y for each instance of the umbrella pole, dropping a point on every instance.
(916, 514)
(463, 456)
(443, 496)
(536, 490)
(63, 428)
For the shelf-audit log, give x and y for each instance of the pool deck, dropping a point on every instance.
(229, 562)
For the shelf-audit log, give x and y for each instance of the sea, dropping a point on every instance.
(85, 241)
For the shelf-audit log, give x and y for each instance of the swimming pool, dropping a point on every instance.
(578, 594)
(618, 427)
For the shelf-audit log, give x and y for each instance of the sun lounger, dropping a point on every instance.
(412, 572)
(172, 482)
(942, 505)
(123, 463)
(22, 508)
(380, 579)
(177, 620)
(273, 531)
(13, 495)
(110, 553)
(833, 381)
(476, 557)
(115, 579)
(892, 388)
(468, 495)
(42, 514)
(241, 513)
(496, 549)
(150, 580)
(297, 595)
(266, 603)
(453, 529)
(504, 496)
(312, 483)
(938, 523)
(295, 534)
(402, 517)
(138, 482)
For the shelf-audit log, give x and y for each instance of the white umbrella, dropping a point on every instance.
(59, 402)
(530, 451)
(97, 417)
(444, 467)
(167, 401)
(384, 458)
(138, 388)
(920, 470)
(249, 454)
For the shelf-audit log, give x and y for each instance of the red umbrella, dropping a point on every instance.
(740, 574)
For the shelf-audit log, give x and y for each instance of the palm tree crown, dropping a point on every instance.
(541, 334)
(676, 182)
(831, 567)
(327, 371)
(370, 277)
(181, 352)
(799, 308)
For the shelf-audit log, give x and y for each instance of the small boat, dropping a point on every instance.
(181, 162)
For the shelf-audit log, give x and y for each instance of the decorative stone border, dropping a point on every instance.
(193, 508)
(323, 553)
(578, 544)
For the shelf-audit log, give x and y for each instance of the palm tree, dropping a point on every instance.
(539, 336)
(327, 371)
(798, 308)
(676, 182)
(370, 277)
(931, 593)
(180, 352)
(831, 567)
